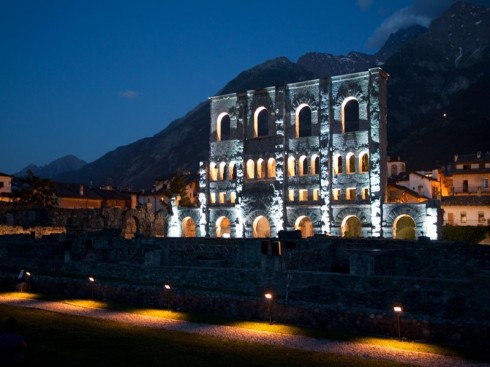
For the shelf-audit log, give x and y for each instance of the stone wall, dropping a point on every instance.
(328, 282)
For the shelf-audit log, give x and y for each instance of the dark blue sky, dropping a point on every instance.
(85, 77)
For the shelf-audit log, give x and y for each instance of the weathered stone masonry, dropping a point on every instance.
(308, 156)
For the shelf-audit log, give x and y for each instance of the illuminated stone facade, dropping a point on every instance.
(307, 156)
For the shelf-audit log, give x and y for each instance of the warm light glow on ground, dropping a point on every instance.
(88, 303)
(22, 295)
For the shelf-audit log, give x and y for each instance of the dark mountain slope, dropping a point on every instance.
(184, 142)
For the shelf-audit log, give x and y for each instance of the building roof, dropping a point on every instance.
(465, 200)
(79, 191)
(5, 175)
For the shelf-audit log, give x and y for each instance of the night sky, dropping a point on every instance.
(85, 77)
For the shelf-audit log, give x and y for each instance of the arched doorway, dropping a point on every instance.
(223, 227)
(188, 227)
(351, 227)
(404, 228)
(305, 225)
(131, 227)
(261, 227)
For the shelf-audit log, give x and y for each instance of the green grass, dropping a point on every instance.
(124, 334)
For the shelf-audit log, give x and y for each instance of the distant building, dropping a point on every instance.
(5, 187)
(468, 201)
(78, 196)
(308, 156)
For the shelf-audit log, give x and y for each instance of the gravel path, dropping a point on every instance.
(253, 336)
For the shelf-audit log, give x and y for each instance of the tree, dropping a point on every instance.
(34, 190)
(177, 186)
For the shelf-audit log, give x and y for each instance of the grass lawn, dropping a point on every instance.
(63, 340)
(59, 339)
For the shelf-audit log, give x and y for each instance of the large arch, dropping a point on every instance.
(303, 120)
(188, 227)
(223, 227)
(261, 227)
(351, 227)
(261, 122)
(305, 225)
(404, 228)
(350, 115)
(223, 127)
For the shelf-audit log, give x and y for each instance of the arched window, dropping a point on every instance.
(305, 225)
(364, 163)
(303, 121)
(222, 171)
(271, 168)
(260, 168)
(351, 163)
(250, 169)
(223, 127)
(338, 165)
(351, 227)
(213, 171)
(261, 122)
(350, 115)
(188, 227)
(223, 227)
(261, 227)
(315, 165)
(303, 165)
(232, 171)
(291, 166)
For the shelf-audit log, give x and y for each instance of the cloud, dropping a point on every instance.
(420, 12)
(129, 94)
(402, 18)
(364, 4)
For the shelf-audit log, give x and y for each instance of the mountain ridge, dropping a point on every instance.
(424, 79)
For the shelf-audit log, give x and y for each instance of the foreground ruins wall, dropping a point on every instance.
(328, 282)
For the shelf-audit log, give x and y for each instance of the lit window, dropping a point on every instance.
(365, 193)
(223, 127)
(212, 198)
(261, 122)
(291, 166)
(291, 195)
(303, 166)
(364, 163)
(484, 183)
(351, 194)
(303, 121)
(463, 217)
(271, 167)
(222, 169)
(316, 194)
(351, 163)
(350, 115)
(233, 197)
(303, 195)
(315, 165)
(213, 171)
(260, 168)
(338, 165)
(250, 169)
(222, 197)
(481, 217)
(232, 171)
(336, 194)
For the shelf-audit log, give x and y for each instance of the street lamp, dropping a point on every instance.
(168, 289)
(28, 275)
(398, 310)
(269, 298)
(92, 284)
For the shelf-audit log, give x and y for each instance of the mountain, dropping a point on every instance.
(55, 168)
(433, 72)
(184, 142)
(441, 68)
